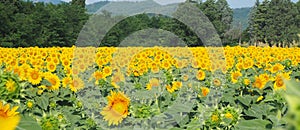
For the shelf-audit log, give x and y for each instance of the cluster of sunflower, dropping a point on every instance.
(138, 83)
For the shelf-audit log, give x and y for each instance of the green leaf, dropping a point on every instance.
(256, 124)
(246, 100)
(28, 123)
(257, 110)
(42, 101)
(46, 82)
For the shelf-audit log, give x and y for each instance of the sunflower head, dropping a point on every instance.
(11, 85)
(54, 81)
(200, 75)
(117, 108)
(9, 118)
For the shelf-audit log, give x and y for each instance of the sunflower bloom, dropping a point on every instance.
(277, 67)
(77, 84)
(54, 81)
(154, 82)
(9, 118)
(279, 81)
(200, 75)
(34, 76)
(205, 91)
(10, 85)
(235, 76)
(117, 108)
(259, 83)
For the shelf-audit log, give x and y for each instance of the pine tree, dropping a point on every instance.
(220, 15)
(225, 18)
(251, 28)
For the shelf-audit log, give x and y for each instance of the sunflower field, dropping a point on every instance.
(149, 88)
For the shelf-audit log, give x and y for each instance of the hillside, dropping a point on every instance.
(126, 8)
(240, 15)
(92, 8)
(49, 1)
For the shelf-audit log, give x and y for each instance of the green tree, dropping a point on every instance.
(225, 19)
(220, 14)
(80, 3)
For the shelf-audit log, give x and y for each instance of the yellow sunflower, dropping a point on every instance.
(107, 71)
(98, 75)
(259, 82)
(54, 81)
(247, 81)
(154, 82)
(204, 91)
(34, 76)
(279, 81)
(118, 77)
(9, 118)
(117, 108)
(10, 85)
(170, 89)
(277, 67)
(66, 81)
(51, 66)
(235, 76)
(77, 84)
(166, 64)
(200, 75)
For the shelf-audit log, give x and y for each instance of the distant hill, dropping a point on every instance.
(49, 1)
(240, 15)
(92, 8)
(126, 8)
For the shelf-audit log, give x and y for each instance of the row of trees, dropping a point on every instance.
(24, 23)
(218, 13)
(275, 22)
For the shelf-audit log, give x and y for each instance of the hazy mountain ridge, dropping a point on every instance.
(240, 15)
(49, 1)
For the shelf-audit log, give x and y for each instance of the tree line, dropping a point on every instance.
(25, 23)
(274, 22)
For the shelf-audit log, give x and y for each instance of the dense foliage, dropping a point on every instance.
(26, 24)
(275, 22)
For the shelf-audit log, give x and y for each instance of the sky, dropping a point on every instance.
(232, 3)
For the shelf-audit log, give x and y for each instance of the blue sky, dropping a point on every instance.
(232, 3)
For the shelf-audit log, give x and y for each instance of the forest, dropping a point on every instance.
(27, 23)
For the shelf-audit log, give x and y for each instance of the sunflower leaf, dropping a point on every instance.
(256, 124)
(28, 123)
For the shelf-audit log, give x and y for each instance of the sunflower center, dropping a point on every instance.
(217, 82)
(119, 107)
(51, 67)
(52, 81)
(279, 83)
(275, 68)
(35, 76)
(235, 76)
(258, 84)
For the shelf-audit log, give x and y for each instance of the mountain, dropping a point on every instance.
(126, 8)
(49, 1)
(240, 16)
(92, 8)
